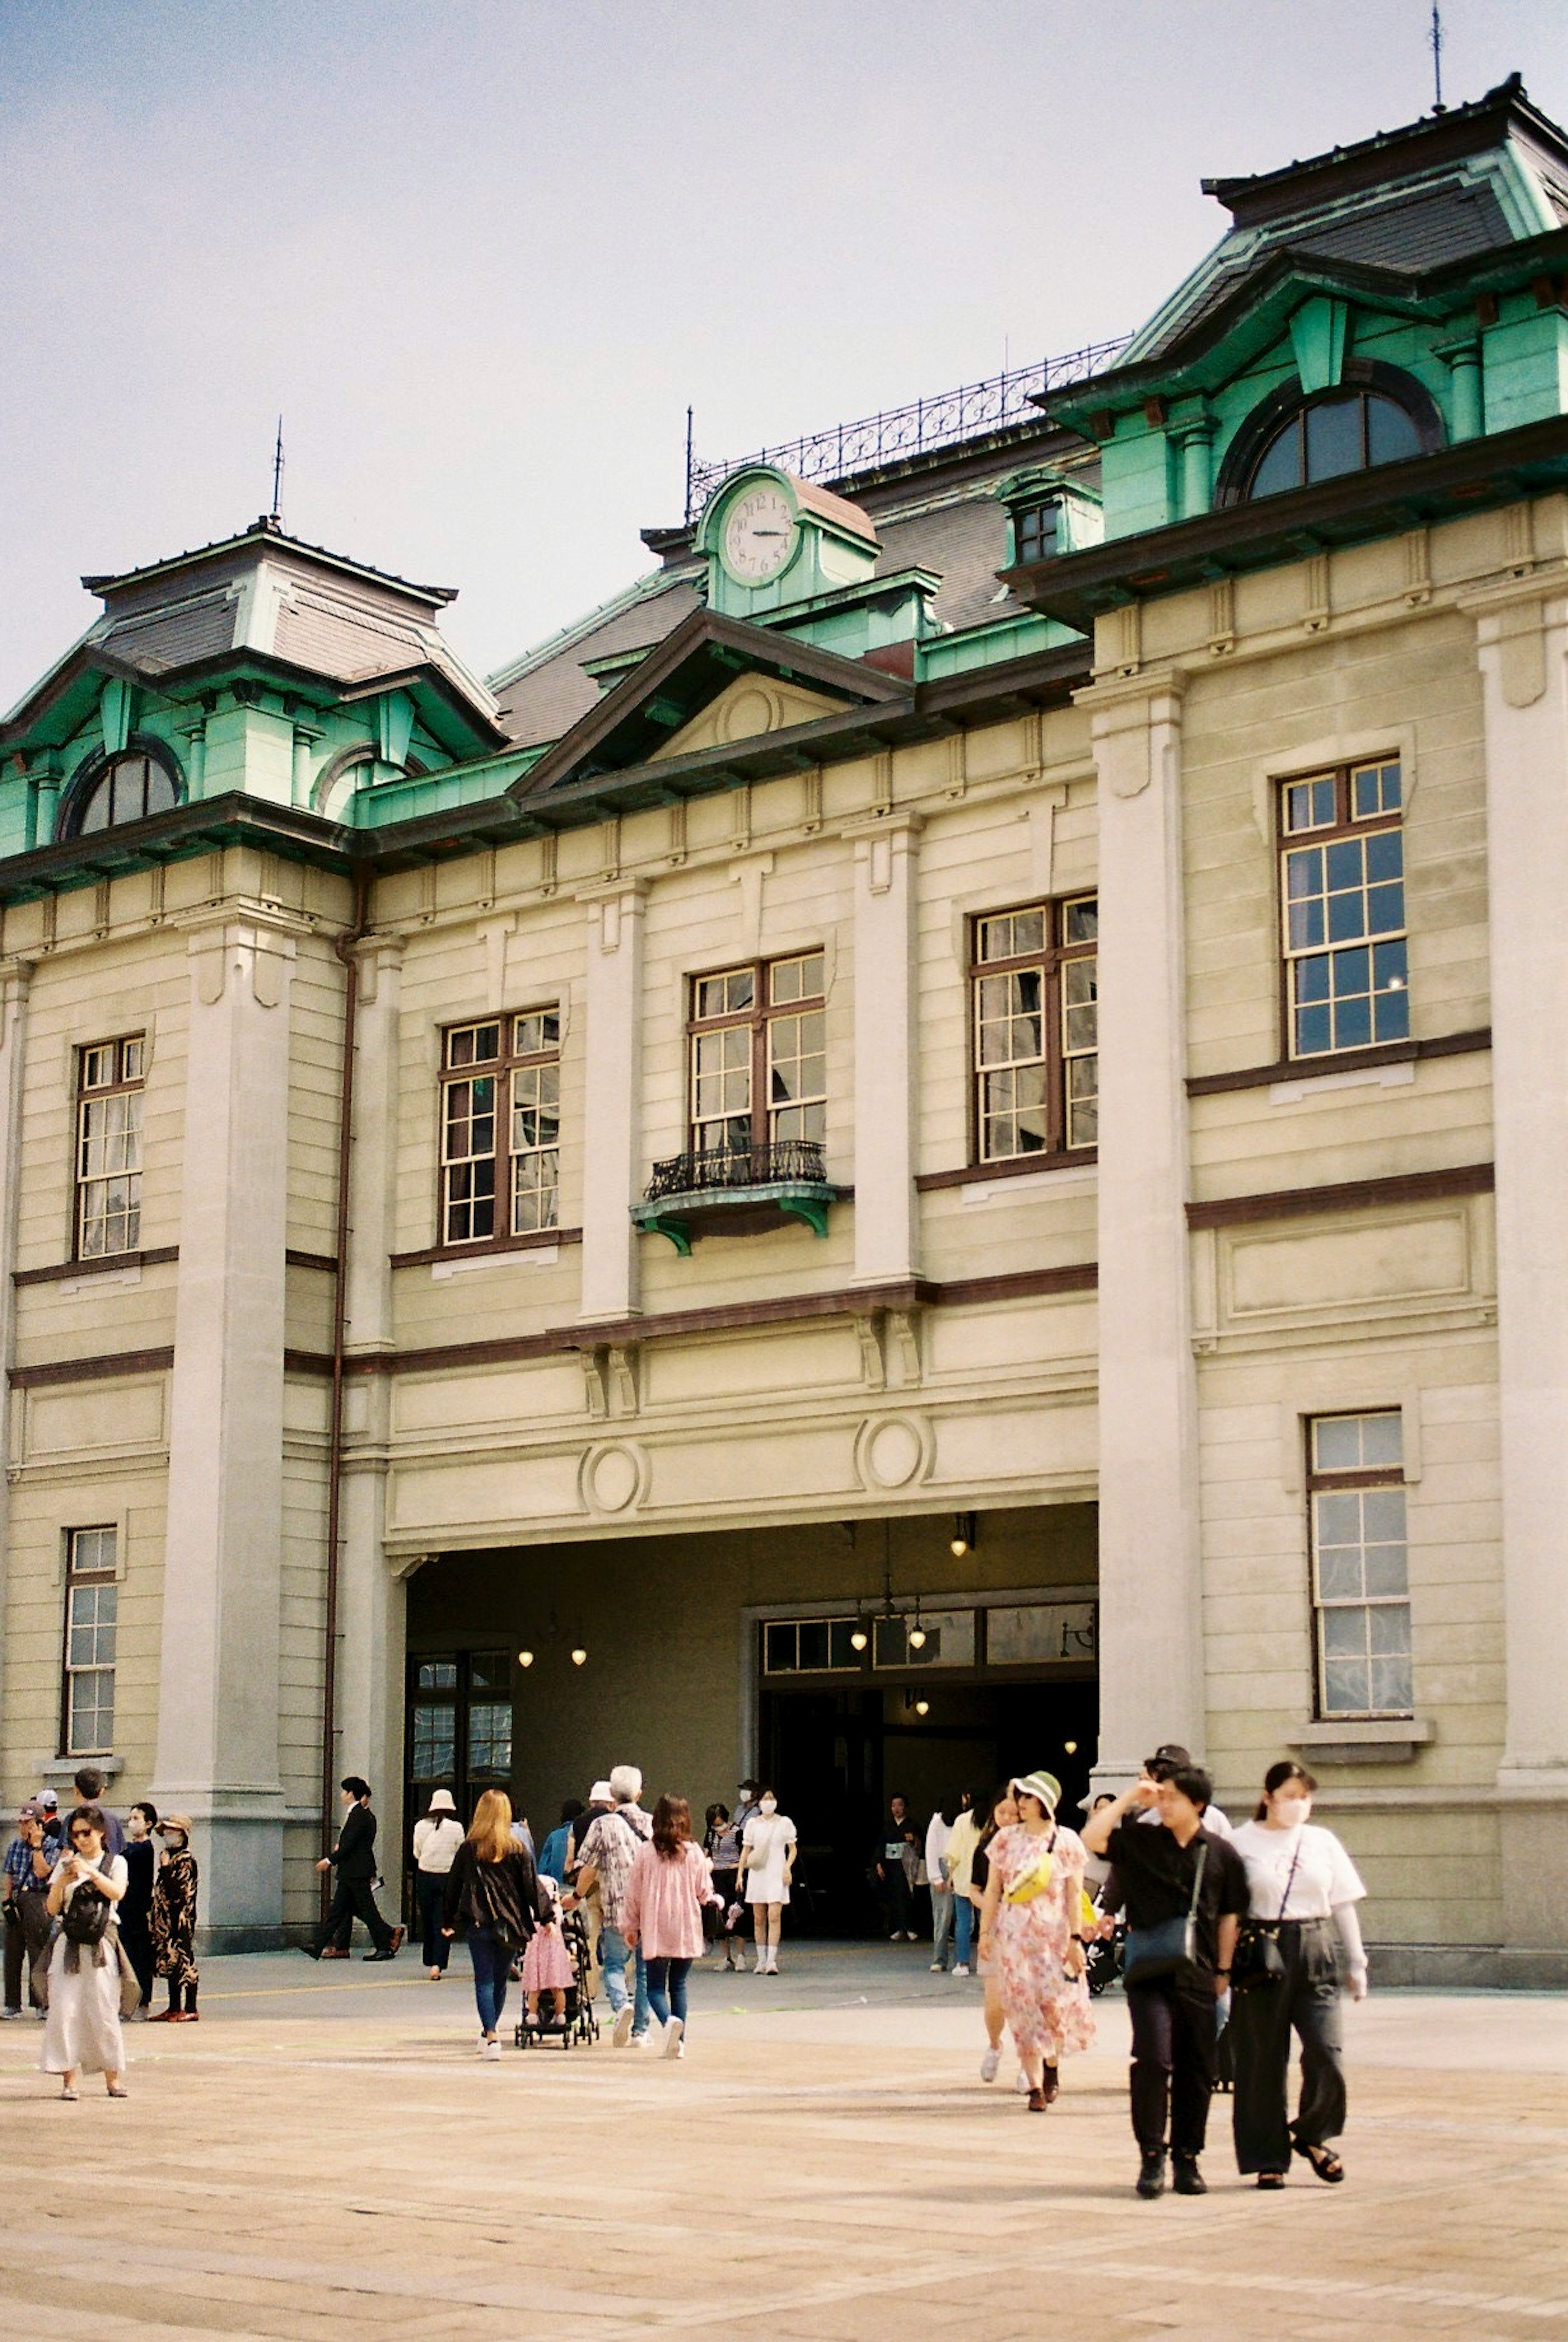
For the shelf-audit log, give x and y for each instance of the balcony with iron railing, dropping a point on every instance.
(738, 1191)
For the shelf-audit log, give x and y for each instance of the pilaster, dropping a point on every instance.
(1522, 648)
(1151, 1588)
(217, 1757)
(886, 1058)
(612, 1092)
(15, 981)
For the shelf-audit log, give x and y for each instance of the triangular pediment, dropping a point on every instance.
(753, 704)
(712, 681)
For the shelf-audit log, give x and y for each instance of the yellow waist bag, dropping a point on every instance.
(1031, 1881)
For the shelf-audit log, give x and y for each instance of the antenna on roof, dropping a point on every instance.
(688, 463)
(1434, 43)
(276, 514)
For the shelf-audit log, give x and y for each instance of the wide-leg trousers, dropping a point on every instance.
(1305, 2002)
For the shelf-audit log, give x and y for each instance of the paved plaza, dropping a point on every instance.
(325, 2155)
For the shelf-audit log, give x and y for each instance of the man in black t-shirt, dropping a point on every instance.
(1174, 2025)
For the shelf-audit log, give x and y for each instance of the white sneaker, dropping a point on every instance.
(672, 2032)
(490, 2049)
(1021, 2083)
(621, 2032)
(760, 1965)
(988, 2064)
(641, 2041)
(937, 1968)
(773, 1965)
(961, 1969)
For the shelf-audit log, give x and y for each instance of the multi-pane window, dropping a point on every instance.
(1361, 1582)
(1035, 531)
(92, 1606)
(1347, 432)
(109, 1093)
(1347, 978)
(758, 1054)
(1033, 983)
(129, 789)
(501, 1127)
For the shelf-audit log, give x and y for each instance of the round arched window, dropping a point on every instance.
(128, 787)
(1349, 431)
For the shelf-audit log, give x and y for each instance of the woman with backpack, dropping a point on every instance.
(493, 1889)
(82, 2030)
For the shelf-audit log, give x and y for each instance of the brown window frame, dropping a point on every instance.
(122, 1084)
(1328, 1480)
(1347, 826)
(502, 1069)
(763, 1012)
(75, 1579)
(1049, 960)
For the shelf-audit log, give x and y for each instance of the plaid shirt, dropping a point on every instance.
(20, 1877)
(611, 1847)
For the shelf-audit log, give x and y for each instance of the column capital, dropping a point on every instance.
(1117, 702)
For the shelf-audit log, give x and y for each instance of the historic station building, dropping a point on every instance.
(934, 1141)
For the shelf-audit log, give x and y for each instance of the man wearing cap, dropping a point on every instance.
(1167, 1758)
(29, 1860)
(48, 1805)
(1164, 1875)
(608, 1852)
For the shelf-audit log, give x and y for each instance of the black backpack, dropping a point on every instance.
(86, 1917)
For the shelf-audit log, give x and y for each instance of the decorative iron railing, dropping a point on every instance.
(949, 419)
(787, 1161)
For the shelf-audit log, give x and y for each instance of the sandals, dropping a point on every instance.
(68, 2094)
(116, 2090)
(1323, 2161)
(1271, 2180)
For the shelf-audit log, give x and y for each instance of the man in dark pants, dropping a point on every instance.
(353, 1859)
(894, 1860)
(1173, 2016)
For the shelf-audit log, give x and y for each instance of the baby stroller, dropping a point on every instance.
(1103, 1963)
(579, 2023)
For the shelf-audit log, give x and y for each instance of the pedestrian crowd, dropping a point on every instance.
(1243, 1937)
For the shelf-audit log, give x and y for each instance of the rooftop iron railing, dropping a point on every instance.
(944, 421)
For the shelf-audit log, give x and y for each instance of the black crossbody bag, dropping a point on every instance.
(1170, 1948)
(1257, 1963)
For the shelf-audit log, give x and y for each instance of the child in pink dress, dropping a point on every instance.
(546, 1963)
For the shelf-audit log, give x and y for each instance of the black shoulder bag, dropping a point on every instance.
(1257, 1963)
(1170, 1948)
(86, 1917)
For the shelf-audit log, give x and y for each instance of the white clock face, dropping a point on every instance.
(759, 536)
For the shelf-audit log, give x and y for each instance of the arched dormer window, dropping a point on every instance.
(1376, 416)
(141, 780)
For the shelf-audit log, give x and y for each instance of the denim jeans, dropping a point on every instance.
(672, 2003)
(964, 1916)
(491, 1962)
(942, 1923)
(615, 1952)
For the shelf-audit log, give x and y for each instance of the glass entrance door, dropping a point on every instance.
(459, 1728)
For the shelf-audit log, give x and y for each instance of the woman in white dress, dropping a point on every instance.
(767, 1866)
(1304, 1888)
(82, 2033)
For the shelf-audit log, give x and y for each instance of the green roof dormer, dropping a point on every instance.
(1402, 295)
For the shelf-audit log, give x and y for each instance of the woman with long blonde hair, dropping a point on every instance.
(492, 1890)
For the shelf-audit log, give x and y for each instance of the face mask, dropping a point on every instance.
(175, 1843)
(770, 1805)
(1292, 1810)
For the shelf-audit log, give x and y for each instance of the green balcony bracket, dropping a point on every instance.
(662, 1223)
(812, 1209)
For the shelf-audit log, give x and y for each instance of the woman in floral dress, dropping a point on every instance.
(1031, 1926)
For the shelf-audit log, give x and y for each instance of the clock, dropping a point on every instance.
(759, 535)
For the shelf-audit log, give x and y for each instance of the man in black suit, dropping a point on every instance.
(353, 1859)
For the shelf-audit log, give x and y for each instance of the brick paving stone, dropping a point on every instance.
(325, 2157)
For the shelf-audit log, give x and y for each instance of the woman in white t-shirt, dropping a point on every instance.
(437, 1835)
(82, 2030)
(767, 1866)
(1302, 1879)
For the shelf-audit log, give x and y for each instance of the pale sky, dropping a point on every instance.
(482, 253)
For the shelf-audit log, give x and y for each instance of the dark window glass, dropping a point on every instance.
(1035, 531)
(1281, 465)
(1347, 433)
(128, 789)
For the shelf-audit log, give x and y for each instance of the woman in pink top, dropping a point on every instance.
(671, 1881)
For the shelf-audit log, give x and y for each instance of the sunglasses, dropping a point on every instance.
(83, 1833)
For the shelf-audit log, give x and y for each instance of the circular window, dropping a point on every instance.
(128, 787)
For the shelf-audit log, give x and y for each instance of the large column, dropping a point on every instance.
(887, 1055)
(16, 977)
(612, 1098)
(218, 1695)
(1524, 654)
(1151, 1621)
(371, 1596)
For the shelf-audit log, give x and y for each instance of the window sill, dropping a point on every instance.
(1363, 1740)
(1341, 1061)
(107, 1264)
(1014, 1166)
(60, 1774)
(493, 1249)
